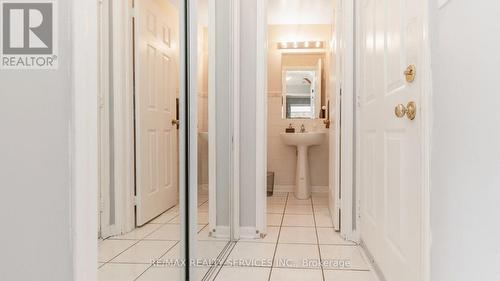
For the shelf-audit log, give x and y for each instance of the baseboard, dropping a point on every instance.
(283, 188)
(222, 232)
(289, 188)
(203, 187)
(369, 257)
(248, 232)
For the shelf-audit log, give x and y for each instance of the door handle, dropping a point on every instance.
(410, 110)
(410, 73)
(175, 122)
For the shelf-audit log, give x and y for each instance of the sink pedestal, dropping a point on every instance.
(302, 179)
(303, 141)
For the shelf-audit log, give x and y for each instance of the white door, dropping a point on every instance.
(156, 157)
(390, 39)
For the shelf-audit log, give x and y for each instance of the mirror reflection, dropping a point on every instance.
(303, 91)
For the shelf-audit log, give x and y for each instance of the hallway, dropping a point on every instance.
(298, 231)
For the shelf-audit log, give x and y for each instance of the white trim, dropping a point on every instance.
(212, 123)
(84, 139)
(347, 117)
(261, 118)
(192, 129)
(183, 169)
(426, 134)
(104, 203)
(235, 186)
(335, 101)
(123, 96)
(221, 232)
(248, 232)
(357, 143)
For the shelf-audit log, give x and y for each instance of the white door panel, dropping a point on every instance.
(156, 187)
(391, 187)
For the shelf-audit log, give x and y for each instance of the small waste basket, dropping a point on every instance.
(270, 183)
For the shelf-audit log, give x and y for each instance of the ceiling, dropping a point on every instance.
(285, 11)
(300, 11)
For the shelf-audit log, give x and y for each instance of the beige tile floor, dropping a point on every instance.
(128, 257)
(298, 231)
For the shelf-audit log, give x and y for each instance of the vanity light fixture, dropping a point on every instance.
(301, 45)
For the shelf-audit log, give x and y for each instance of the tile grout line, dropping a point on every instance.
(169, 249)
(115, 256)
(317, 239)
(151, 265)
(223, 263)
(143, 239)
(278, 239)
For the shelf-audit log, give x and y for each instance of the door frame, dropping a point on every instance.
(84, 139)
(123, 115)
(261, 119)
(104, 199)
(345, 92)
(234, 232)
(235, 180)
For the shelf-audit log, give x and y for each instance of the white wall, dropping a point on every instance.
(35, 111)
(465, 175)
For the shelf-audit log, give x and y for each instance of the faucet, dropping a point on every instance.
(302, 128)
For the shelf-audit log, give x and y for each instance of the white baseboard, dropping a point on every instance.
(249, 232)
(222, 232)
(289, 188)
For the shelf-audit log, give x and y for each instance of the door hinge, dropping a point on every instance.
(101, 209)
(136, 200)
(101, 102)
(358, 208)
(133, 12)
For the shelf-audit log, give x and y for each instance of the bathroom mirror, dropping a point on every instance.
(302, 94)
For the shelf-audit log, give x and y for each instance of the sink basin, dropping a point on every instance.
(303, 141)
(307, 139)
(204, 136)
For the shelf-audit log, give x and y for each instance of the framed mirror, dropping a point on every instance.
(302, 92)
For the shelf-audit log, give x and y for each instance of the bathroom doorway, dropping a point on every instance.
(301, 104)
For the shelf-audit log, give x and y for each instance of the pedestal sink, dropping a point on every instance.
(303, 141)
